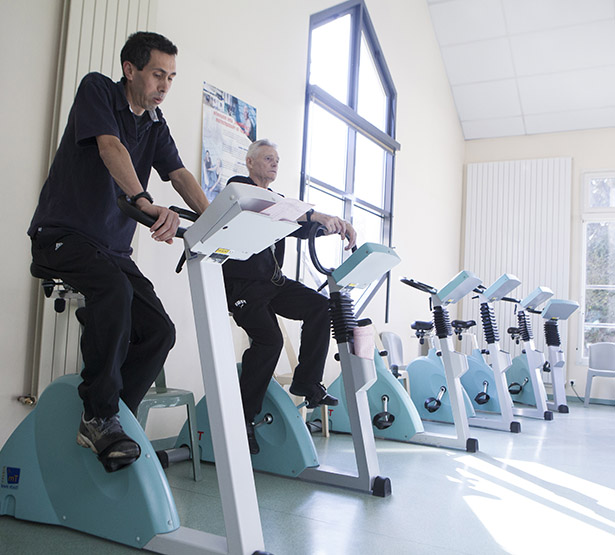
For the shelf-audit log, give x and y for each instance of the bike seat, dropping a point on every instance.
(463, 324)
(422, 326)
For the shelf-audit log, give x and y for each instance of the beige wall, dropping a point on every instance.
(29, 34)
(590, 150)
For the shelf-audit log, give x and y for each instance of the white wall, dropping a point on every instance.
(590, 150)
(258, 52)
(29, 36)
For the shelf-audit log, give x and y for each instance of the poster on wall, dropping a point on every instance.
(229, 126)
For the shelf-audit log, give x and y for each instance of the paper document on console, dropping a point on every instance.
(287, 209)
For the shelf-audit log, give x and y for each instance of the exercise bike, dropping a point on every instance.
(486, 384)
(524, 378)
(435, 380)
(393, 415)
(554, 311)
(46, 477)
(286, 446)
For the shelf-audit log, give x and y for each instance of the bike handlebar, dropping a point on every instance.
(318, 231)
(133, 212)
(420, 286)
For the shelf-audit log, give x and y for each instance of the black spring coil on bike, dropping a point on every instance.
(490, 325)
(343, 320)
(442, 322)
(525, 326)
(552, 334)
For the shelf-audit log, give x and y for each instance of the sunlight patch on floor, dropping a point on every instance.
(541, 503)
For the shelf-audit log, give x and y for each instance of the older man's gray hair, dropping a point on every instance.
(258, 144)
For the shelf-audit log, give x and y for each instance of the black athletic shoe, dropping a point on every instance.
(315, 395)
(107, 439)
(252, 443)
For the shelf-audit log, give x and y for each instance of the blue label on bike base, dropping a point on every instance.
(10, 477)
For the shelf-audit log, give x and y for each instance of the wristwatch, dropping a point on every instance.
(308, 214)
(142, 194)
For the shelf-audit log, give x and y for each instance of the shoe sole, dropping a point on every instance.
(85, 441)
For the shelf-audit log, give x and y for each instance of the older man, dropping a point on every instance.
(257, 290)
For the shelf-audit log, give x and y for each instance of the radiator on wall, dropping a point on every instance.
(517, 221)
(93, 33)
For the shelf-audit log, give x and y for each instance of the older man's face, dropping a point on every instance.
(263, 167)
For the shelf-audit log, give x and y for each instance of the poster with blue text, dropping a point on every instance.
(229, 126)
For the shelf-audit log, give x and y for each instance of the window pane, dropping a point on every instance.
(372, 98)
(369, 172)
(327, 147)
(329, 249)
(600, 257)
(602, 192)
(599, 306)
(329, 57)
(597, 335)
(367, 225)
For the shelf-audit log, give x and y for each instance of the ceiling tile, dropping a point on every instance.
(569, 121)
(486, 60)
(459, 21)
(564, 49)
(523, 16)
(528, 66)
(487, 100)
(491, 128)
(573, 90)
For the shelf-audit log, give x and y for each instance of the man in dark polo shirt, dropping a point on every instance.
(257, 290)
(115, 135)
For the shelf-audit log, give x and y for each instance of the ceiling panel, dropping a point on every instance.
(490, 128)
(564, 121)
(528, 66)
(472, 62)
(491, 99)
(556, 50)
(524, 16)
(469, 20)
(573, 90)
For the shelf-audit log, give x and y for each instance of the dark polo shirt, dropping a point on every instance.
(80, 195)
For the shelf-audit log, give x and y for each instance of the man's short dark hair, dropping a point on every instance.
(139, 46)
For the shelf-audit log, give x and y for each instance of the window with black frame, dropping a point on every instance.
(349, 137)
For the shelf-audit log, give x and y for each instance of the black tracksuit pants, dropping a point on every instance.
(254, 305)
(127, 333)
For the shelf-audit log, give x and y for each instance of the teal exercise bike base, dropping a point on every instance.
(478, 373)
(426, 376)
(286, 447)
(407, 422)
(42, 468)
(517, 373)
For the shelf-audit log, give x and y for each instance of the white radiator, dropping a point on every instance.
(93, 33)
(517, 221)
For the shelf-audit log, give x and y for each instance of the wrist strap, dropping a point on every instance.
(142, 194)
(308, 214)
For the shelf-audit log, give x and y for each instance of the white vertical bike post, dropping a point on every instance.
(500, 360)
(231, 228)
(364, 266)
(535, 359)
(359, 375)
(554, 311)
(454, 363)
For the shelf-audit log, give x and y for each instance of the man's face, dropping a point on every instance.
(146, 89)
(263, 167)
